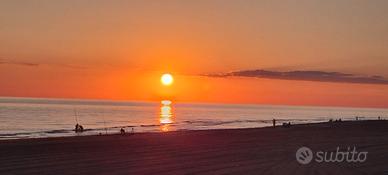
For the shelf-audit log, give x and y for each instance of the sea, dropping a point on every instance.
(43, 117)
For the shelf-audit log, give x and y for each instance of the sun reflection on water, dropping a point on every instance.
(165, 115)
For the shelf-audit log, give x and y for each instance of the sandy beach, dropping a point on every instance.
(232, 151)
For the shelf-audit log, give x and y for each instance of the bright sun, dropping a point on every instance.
(166, 79)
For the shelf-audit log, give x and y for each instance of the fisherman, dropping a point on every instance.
(76, 128)
(274, 122)
(79, 128)
(122, 131)
(286, 125)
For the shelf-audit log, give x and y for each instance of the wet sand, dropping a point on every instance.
(232, 151)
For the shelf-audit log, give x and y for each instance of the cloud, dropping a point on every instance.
(3, 61)
(6, 61)
(321, 76)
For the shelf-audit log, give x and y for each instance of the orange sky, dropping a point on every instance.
(119, 84)
(118, 50)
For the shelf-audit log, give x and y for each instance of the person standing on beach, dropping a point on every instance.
(274, 122)
(122, 131)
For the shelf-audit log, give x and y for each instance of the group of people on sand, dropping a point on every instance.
(79, 128)
(336, 120)
(357, 119)
(122, 131)
(288, 124)
(284, 125)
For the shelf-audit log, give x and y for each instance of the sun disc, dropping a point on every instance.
(167, 79)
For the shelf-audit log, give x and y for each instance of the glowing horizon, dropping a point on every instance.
(324, 53)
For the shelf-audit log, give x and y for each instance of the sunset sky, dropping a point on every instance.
(119, 49)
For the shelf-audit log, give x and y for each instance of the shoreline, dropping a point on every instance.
(117, 133)
(265, 150)
(115, 130)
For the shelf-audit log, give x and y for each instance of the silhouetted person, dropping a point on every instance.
(133, 131)
(79, 128)
(379, 118)
(76, 127)
(337, 120)
(122, 131)
(274, 122)
(286, 125)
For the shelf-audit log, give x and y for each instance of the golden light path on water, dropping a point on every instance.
(166, 116)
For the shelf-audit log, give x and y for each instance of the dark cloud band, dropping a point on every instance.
(306, 76)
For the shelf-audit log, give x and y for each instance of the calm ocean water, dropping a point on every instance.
(32, 117)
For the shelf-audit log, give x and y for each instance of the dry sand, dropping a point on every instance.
(237, 151)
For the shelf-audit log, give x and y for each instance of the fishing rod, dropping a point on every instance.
(103, 118)
(75, 116)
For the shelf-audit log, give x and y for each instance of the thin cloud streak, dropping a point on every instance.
(321, 76)
(4, 61)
